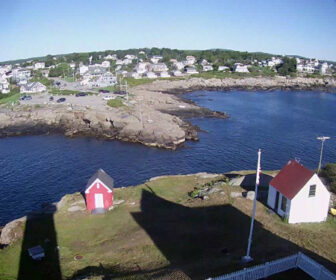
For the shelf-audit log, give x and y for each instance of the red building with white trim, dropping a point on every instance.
(99, 192)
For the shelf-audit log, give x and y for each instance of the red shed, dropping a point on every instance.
(99, 192)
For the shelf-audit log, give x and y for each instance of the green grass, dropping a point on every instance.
(9, 98)
(131, 82)
(109, 88)
(159, 228)
(56, 91)
(43, 80)
(69, 79)
(115, 103)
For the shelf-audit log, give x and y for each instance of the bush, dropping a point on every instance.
(329, 172)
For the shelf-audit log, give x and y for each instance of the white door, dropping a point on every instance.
(99, 201)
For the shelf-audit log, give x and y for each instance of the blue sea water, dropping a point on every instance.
(284, 124)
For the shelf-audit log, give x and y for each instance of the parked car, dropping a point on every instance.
(51, 98)
(60, 100)
(108, 97)
(120, 92)
(25, 97)
(81, 94)
(104, 91)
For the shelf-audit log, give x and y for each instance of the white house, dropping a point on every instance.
(105, 64)
(323, 68)
(207, 68)
(177, 73)
(21, 74)
(33, 87)
(190, 59)
(223, 68)
(298, 194)
(156, 58)
(190, 70)
(241, 68)
(83, 69)
(159, 67)
(179, 65)
(164, 75)
(142, 67)
(151, 75)
(39, 65)
(4, 85)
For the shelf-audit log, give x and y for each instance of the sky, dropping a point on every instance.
(31, 28)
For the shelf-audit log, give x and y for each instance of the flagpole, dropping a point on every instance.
(248, 258)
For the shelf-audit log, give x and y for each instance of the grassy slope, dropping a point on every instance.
(158, 228)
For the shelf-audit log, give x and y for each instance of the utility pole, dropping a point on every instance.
(248, 258)
(322, 138)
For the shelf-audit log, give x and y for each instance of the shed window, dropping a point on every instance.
(312, 190)
(283, 203)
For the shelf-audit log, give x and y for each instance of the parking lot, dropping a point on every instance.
(92, 101)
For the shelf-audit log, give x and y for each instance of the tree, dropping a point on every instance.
(287, 67)
(62, 69)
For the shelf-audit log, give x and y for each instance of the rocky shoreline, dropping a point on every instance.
(156, 115)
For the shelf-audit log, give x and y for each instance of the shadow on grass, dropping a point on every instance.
(200, 242)
(40, 230)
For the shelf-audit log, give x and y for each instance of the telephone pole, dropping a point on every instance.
(322, 138)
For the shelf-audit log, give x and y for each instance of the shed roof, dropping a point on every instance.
(291, 179)
(103, 177)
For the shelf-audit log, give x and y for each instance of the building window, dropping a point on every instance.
(283, 203)
(312, 190)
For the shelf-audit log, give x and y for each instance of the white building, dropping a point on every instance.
(127, 61)
(83, 69)
(164, 75)
(72, 65)
(324, 68)
(106, 64)
(156, 58)
(223, 68)
(177, 73)
(190, 70)
(4, 86)
(39, 65)
(142, 67)
(190, 60)
(207, 68)
(159, 67)
(179, 65)
(298, 194)
(21, 75)
(130, 56)
(241, 68)
(151, 75)
(33, 87)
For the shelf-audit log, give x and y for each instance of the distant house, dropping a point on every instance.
(33, 87)
(207, 68)
(223, 68)
(106, 64)
(179, 65)
(39, 65)
(298, 194)
(177, 73)
(83, 69)
(142, 67)
(151, 75)
(99, 192)
(21, 74)
(4, 86)
(190, 70)
(240, 68)
(130, 56)
(323, 68)
(190, 60)
(156, 58)
(159, 67)
(164, 75)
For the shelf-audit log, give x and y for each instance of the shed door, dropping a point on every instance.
(99, 201)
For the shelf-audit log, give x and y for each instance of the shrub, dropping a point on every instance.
(115, 103)
(329, 172)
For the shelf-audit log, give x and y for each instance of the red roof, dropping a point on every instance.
(291, 179)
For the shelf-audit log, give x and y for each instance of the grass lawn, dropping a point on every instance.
(159, 230)
(9, 98)
(116, 103)
(56, 91)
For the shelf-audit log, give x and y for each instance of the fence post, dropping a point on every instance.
(266, 269)
(244, 273)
